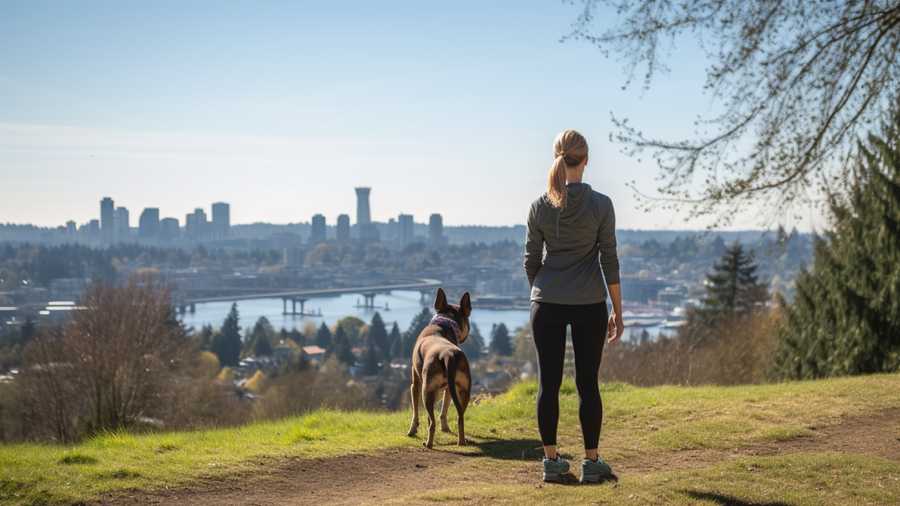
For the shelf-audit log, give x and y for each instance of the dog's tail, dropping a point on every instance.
(451, 364)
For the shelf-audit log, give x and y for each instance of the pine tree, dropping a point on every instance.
(732, 288)
(845, 318)
(323, 337)
(378, 336)
(342, 348)
(474, 345)
(206, 336)
(260, 342)
(500, 342)
(227, 343)
(396, 340)
(418, 324)
(371, 365)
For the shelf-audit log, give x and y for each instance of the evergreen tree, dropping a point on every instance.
(260, 342)
(474, 345)
(27, 331)
(227, 343)
(500, 342)
(418, 324)
(342, 348)
(845, 318)
(323, 337)
(378, 336)
(732, 288)
(371, 366)
(206, 336)
(396, 340)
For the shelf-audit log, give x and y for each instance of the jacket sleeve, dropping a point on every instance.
(606, 238)
(534, 245)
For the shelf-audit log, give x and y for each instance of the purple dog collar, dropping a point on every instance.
(447, 324)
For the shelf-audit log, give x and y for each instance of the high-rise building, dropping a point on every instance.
(221, 220)
(107, 219)
(343, 228)
(436, 230)
(168, 229)
(363, 212)
(317, 234)
(93, 230)
(148, 224)
(366, 228)
(123, 224)
(406, 224)
(196, 225)
(71, 228)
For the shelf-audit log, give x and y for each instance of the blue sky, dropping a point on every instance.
(281, 108)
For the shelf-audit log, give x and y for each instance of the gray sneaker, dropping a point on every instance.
(554, 470)
(595, 471)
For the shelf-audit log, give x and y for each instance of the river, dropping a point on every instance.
(402, 306)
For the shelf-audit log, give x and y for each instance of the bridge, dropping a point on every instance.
(301, 296)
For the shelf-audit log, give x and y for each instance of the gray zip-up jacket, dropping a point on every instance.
(580, 240)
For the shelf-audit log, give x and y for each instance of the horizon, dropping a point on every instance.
(265, 106)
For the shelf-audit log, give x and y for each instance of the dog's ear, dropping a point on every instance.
(440, 301)
(465, 304)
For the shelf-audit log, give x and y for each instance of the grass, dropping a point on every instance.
(638, 422)
(799, 479)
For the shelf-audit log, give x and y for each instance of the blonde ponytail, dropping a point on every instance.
(569, 150)
(556, 184)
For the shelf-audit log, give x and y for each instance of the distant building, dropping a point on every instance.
(107, 220)
(123, 224)
(71, 228)
(221, 220)
(93, 229)
(196, 225)
(169, 230)
(317, 234)
(148, 224)
(365, 227)
(343, 228)
(406, 224)
(293, 256)
(436, 230)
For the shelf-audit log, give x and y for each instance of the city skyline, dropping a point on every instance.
(266, 108)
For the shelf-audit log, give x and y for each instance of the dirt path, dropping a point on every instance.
(395, 473)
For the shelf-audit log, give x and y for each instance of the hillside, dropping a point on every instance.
(832, 441)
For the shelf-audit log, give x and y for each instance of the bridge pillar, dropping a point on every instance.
(293, 306)
(193, 308)
(302, 306)
(284, 305)
(369, 299)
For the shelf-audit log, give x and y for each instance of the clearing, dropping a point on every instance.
(831, 441)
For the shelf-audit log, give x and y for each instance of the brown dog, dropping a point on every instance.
(438, 364)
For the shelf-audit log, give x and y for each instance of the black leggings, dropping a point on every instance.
(548, 325)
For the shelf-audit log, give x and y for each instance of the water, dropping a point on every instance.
(403, 306)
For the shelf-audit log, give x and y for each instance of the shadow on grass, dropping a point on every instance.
(505, 449)
(727, 500)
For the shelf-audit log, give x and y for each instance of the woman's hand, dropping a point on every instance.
(614, 328)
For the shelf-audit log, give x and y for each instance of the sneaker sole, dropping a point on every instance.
(553, 477)
(597, 478)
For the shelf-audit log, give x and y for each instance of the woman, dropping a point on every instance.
(569, 285)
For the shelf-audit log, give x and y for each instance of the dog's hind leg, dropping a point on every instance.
(430, 398)
(445, 406)
(415, 393)
(463, 404)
